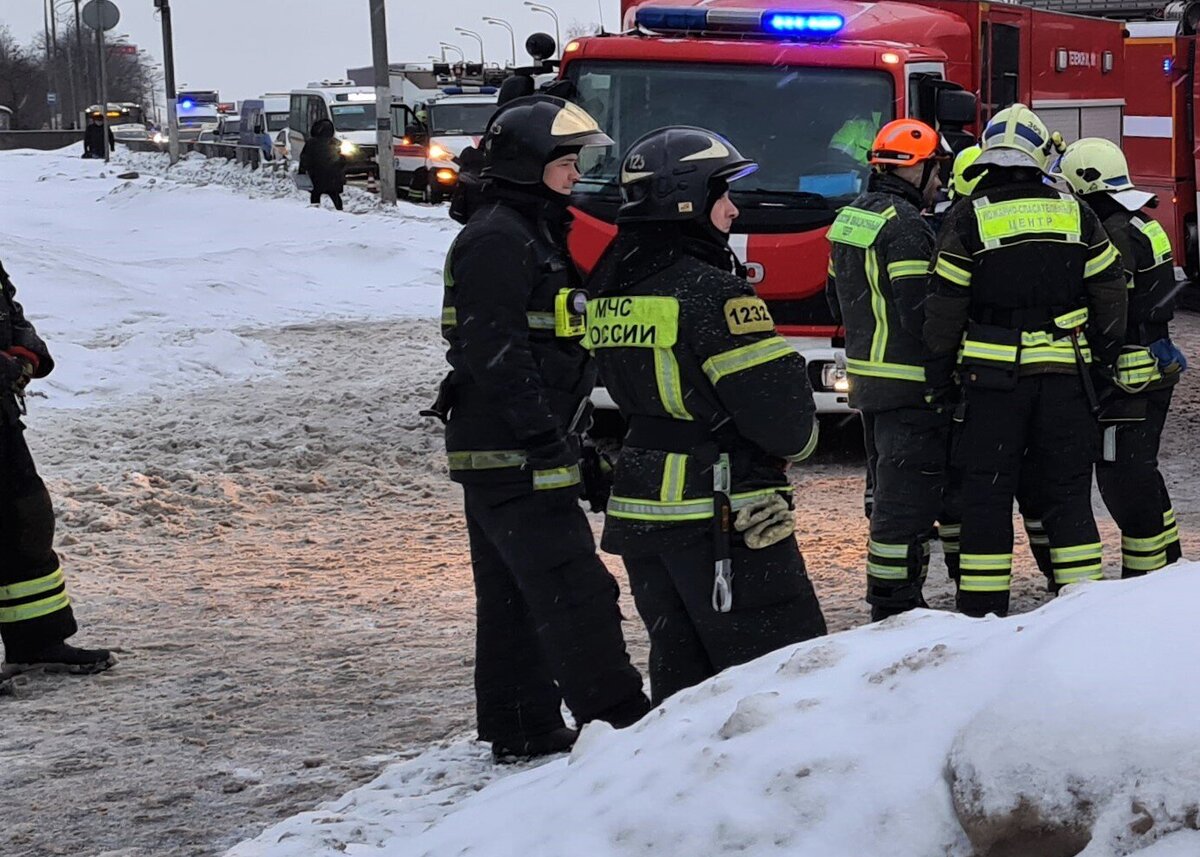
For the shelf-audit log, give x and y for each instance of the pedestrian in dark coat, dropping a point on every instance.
(93, 139)
(322, 160)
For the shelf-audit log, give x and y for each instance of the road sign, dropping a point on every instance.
(101, 14)
(52, 98)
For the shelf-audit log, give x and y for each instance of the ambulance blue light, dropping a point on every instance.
(1168, 65)
(187, 104)
(803, 22)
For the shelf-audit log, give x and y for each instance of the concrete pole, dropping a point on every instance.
(103, 88)
(164, 8)
(385, 155)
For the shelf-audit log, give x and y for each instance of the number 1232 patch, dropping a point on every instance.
(748, 315)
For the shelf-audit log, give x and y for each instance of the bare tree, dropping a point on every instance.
(575, 29)
(22, 82)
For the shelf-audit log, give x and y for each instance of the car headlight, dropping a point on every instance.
(833, 377)
(159, 138)
(440, 153)
(348, 148)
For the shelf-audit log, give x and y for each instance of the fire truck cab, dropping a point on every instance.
(802, 90)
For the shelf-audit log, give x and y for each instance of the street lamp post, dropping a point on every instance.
(474, 35)
(546, 10)
(512, 37)
(445, 45)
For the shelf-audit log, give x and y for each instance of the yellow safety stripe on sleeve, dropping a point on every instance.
(25, 588)
(810, 446)
(535, 320)
(486, 459)
(746, 357)
(1160, 244)
(556, 477)
(674, 471)
(1076, 553)
(830, 270)
(1073, 319)
(670, 385)
(947, 270)
(449, 316)
(907, 268)
(34, 609)
(949, 530)
(975, 350)
(1101, 260)
(879, 369)
(879, 335)
(984, 582)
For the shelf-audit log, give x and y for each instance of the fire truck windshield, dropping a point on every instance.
(809, 128)
(353, 117)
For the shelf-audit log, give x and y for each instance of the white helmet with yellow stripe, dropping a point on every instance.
(1015, 137)
(1096, 165)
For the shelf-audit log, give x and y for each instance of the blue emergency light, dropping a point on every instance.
(778, 22)
(187, 104)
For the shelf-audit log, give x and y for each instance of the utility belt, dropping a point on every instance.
(681, 437)
(993, 354)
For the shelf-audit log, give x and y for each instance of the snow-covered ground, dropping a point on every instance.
(252, 510)
(1070, 730)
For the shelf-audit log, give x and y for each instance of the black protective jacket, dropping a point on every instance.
(1013, 258)
(93, 140)
(322, 160)
(15, 330)
(1149, 269)
(881, 248)
(691, 357)
(516, 383)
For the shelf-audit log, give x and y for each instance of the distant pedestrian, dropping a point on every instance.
(35, 612)
(323, 162)
(93, 138)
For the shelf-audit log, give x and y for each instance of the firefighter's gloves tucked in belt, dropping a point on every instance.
(1170, 358)
(17, 366)
(765, 522)
(596, 471)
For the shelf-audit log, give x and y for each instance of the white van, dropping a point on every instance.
(350, 108)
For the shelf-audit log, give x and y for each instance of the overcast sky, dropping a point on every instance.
(247, 47)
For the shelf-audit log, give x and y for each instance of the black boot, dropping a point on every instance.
(61, 658)
(626, 712)
(519, 749)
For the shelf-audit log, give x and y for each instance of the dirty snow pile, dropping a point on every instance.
(151, 285)
(1074, 730)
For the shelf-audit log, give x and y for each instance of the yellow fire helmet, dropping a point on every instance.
(959, 185)
(1096, 165)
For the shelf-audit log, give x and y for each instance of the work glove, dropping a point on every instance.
(551, 451)
(1170, 358)
(596, 468)
(15, 373)
(765, 522)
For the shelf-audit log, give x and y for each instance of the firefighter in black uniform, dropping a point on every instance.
(878, 275)
(549, 628)
(35, 610)
(1029, 276)
(717, 403)
(1138, 395)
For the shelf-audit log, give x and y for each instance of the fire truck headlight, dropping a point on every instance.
(446, 176)
(833, 377)
(159, 138)
(347, 148)
(439, 153)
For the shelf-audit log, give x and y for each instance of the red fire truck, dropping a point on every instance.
(802, 90)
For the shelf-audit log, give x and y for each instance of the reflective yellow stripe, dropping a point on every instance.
(485, 459)
(32, 587)
(1136, 359)
(830, 269)
(670, 386)
(887, 551)
(535, 320)
(636, 508)
(1153, 543)
(1106, 257)
(907, 268)
(974, 350)
(1074, 318)
(746, 357)
(1092, 571)
(1052, 354)
(809, 447)
(1076, 552)
(984, 582)
(997, 221)
(986, 561)
(1160, 244)
(449, 316)
(879, 335)
(556, 477)
(879, 369)
(674, 471)
(948, 270)
(887, 572)
(1152, 562)
(34, 609)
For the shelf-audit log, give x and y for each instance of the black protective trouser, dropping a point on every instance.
(315, 198)
(774, 605)
(548, 625)
(907, 463)
(1136, 494)
(34, 609)
(1045, 426)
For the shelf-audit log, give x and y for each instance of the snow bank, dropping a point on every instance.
(151, 284)
(1071, 730)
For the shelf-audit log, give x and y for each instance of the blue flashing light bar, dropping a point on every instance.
(800, 22)
(1168, 65)
(187, 104)
(812, 24)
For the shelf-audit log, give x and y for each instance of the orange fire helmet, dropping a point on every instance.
(906, 142)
